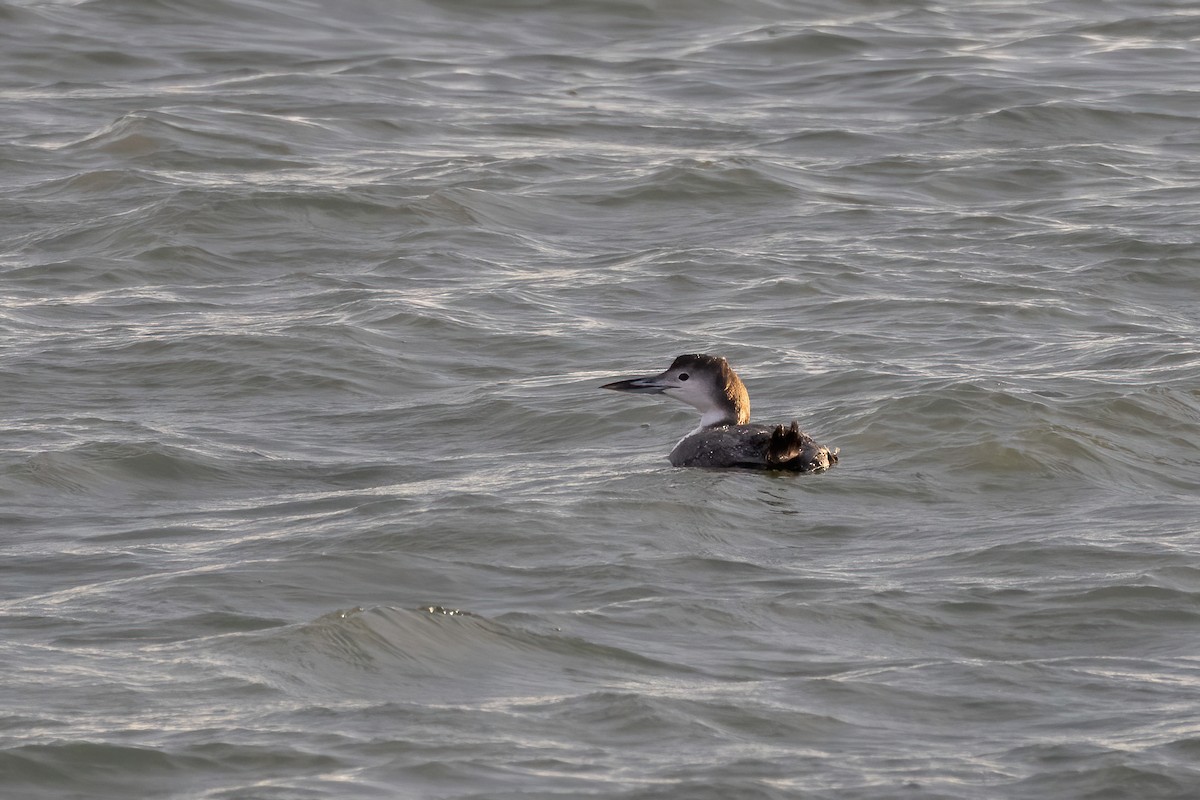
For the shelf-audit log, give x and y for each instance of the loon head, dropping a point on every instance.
(706, 382)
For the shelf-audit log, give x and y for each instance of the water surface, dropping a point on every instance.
(307, 488)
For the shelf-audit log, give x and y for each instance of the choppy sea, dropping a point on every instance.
(308, 490)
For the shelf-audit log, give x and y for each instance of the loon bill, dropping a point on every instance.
(725, 437)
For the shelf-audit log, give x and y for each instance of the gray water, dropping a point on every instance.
(307, 488)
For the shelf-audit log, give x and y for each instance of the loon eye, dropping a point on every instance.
(683, 376)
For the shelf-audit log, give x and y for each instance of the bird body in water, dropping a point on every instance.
(726, 437)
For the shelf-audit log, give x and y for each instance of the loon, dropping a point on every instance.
(725, 437)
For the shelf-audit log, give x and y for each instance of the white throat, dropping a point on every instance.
(714, 416)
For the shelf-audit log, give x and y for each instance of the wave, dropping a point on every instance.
(383, 652)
